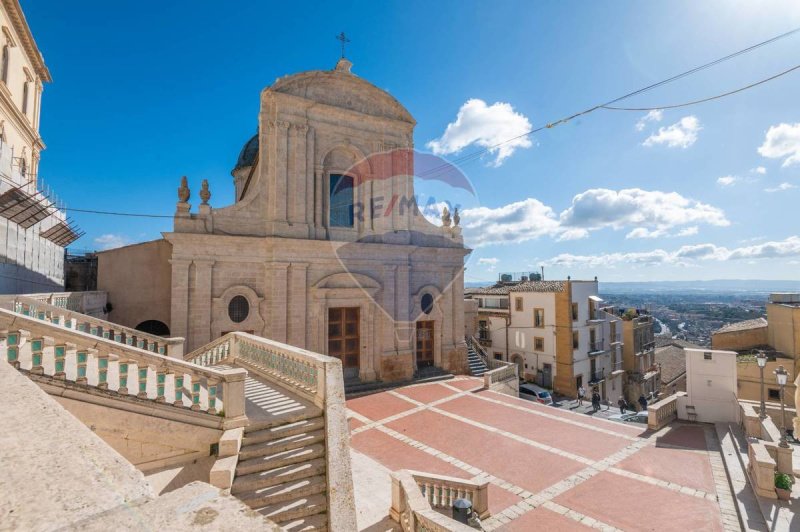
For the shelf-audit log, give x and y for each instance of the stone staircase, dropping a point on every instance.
(281, 472)
(476, 365)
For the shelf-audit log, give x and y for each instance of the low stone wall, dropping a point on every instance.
(762, 470)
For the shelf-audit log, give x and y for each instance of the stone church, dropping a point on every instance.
(323, 249)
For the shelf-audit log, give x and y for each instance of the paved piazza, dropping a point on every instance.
(549, 469)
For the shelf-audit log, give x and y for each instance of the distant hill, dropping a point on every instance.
(721, 285)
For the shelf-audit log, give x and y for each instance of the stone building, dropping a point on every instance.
(324, 247)
(33, 229)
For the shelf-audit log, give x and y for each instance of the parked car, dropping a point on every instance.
(633, 417)
(532, 392)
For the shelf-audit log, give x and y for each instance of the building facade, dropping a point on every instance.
(324, 248)
(33, 229)
(639, 356)
(778, 336)
(558, 332)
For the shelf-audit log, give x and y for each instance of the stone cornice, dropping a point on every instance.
(23, 31)
(20, 120)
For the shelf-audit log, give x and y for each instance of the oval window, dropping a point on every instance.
(427, 303)
(238, 309)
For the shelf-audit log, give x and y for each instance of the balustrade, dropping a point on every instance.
(662, 413)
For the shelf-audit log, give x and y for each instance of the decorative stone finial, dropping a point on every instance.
(446, 216)
(183, 190)
(205, 194)
(343, 65)
(456, 217)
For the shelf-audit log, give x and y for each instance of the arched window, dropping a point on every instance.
(25, 97)
(341, 201)
(158, 328)
(23, 167)
(4, 71)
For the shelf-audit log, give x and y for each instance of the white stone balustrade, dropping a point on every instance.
(415, 496)
(39, 346)
(501, 376)
(662, 413)
(68, 319)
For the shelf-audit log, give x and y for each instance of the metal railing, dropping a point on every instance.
(596, 347)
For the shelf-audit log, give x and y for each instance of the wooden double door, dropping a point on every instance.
(425, 336)
(344, 338)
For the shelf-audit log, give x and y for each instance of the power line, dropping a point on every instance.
(478, 153)
(695, 102)
(113, 213)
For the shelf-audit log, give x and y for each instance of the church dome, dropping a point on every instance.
(248, 154)
(341, 88)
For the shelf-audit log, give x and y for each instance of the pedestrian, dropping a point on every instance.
(622, 404)
(643, 402)
(581, 395)
(595, 401)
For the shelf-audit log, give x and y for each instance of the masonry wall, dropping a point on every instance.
(138, 281)
(784, 328)
(739, 340)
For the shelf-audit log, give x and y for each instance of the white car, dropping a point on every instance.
(632, 417)
(532, 392)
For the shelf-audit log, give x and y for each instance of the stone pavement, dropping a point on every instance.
(549, 468)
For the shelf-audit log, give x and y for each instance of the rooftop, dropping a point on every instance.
(672, 359)
(742, 326)
(548, 468)
(527, 286)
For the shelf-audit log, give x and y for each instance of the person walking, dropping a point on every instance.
(643, 402)
(595, 401)
(581, 395)
(622, 404)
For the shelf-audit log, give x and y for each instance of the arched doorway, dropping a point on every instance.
(517, 359)
(155, 327)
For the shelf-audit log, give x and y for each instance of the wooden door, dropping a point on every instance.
(424, 344)
(344, 340)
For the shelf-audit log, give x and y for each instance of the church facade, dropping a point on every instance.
(323, 249)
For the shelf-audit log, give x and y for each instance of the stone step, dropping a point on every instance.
(295, 509)
(280, 459)
(264, 479)
(284, 419)
(316, 523)
(287, 443)
(284, 492)
(252, 436)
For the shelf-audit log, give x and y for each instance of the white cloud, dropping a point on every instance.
(485, 126)
(685, 255)
(111, 241)
(781, 141)
(489, 262)
(649, 209)
(509, 224)
(759, 170)
(727, 180)
(781, 187)
(648, 214)
(653, 116)
(681, 134)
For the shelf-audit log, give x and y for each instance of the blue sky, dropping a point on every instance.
(144, 92)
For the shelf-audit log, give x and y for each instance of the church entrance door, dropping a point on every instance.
(344, 340)
(424, 344)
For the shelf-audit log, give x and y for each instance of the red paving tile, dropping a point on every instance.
(543, 519)
(353, 423)
(633, 505)
(427, 393)
(500, 499)
(683, 436)
(379, 405)
(583, 442)
(395, 455)
(628, 430)
(515, 462)
(466, 384)
(687, 468)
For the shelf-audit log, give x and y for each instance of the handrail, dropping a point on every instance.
(28, 306)
(413, 510)
(42, 347)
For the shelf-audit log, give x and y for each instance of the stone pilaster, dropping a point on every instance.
(297, 304)
(200, 302)
(278, 272)
(179, 313)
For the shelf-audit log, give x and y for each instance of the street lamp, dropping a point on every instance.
(782, 375)
(761, 358)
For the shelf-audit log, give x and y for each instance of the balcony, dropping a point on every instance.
(646, 348)
(597, 348)
(647, 374)
(597, 377)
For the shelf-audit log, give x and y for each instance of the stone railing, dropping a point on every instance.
(762, 470)
(416, 495)
(49, 312)
(90, 303)
(315, 377)
(501, 376)
(42, 347)
(662, 413)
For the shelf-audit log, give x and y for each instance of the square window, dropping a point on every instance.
(706, 356)
(538, 344)
(774, 394)
(518, 304)
(538, 318)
